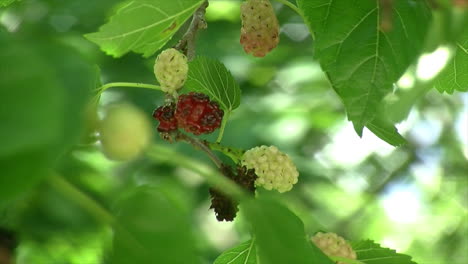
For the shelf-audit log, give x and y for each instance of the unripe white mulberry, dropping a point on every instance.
(260, 28)
(171, 70)
(275, 170)
(333, 245)
(125, 131)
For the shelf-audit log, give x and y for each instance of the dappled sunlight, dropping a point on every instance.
(402, 203)
(429, 65)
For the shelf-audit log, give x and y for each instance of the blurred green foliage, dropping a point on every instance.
(412, 198)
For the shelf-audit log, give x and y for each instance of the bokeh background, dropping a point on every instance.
(412, 198)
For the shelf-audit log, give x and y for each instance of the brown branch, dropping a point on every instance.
(198, 144)
(187, 43)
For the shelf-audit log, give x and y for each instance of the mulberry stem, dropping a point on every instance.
(233, 153)
(223, 126)
(214, 177)
(127, 84)
(187, 43)
(201, 146)
(104, 87)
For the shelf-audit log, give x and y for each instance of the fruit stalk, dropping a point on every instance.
(187, 42)
(198, 144)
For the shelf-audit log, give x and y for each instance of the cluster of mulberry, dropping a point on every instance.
(194, 113)
(275, 170)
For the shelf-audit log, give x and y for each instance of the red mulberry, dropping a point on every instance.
(195, 113)
(165, 116)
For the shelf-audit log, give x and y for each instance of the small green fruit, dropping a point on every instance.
(125, 132)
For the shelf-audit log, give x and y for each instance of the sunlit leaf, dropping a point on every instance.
(143, 26)
(361, 60)
(211, 77)
(455, 75)
(370, 252)
(244, 253)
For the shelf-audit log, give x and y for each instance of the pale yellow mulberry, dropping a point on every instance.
(171, 69)
(275, 170)
(333, 245)
(260, 27)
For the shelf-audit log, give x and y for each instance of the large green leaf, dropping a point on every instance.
(280, 235)
(370, 252)
(211, 77)
(143, 26)
(455, 75)
(30, 99)
(244, 253)
(41, 102)
(362, 61)
(6, 2)
(153, 226)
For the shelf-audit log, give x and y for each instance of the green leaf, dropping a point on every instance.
(455, 75)
(245, 253)
(280, 234)
(6, 2)
(42, 98)
(211, 77)
(362, 61)
(153, 226)
(143, 26)
(30, 99)
(370, 252)
(386, 131)
(21, 171)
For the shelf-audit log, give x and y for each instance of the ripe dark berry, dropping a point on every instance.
(195, 113)
(165, 115)
(225, 208)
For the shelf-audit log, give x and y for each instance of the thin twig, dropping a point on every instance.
(214, 177)
(198, 144)
(187, 43)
